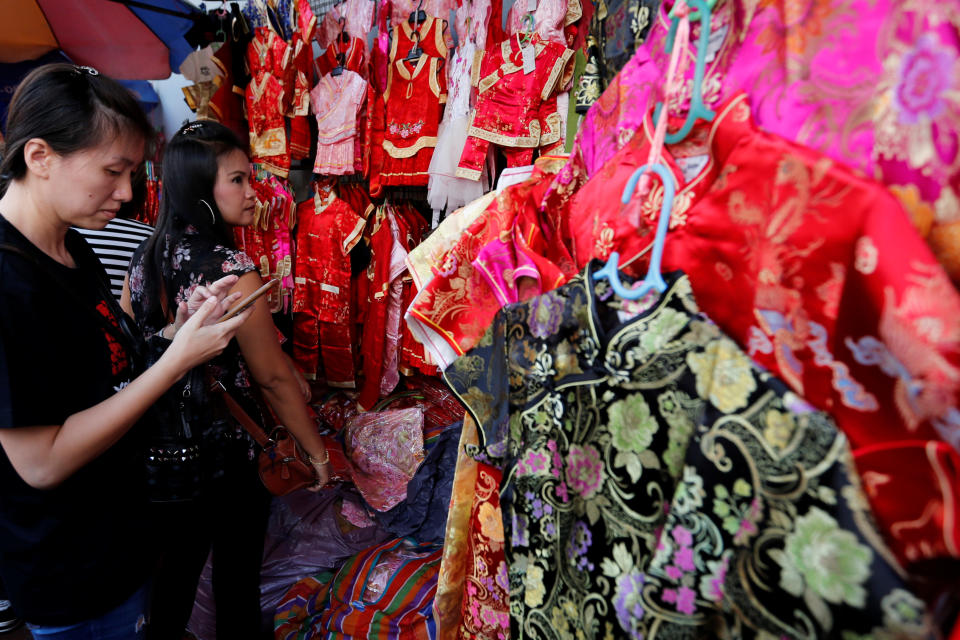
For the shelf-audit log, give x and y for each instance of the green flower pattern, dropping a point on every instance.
(657, 484)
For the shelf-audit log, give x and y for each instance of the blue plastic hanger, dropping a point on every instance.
(654, 279)
(695, 15)
(697, 108)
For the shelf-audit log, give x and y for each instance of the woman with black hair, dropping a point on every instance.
(206, 193)
(74, 546)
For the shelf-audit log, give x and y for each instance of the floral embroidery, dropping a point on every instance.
(584, 470)
(545, 315)
(406, 129)
(723, 375)
(825, 559)
(925, 76)
(632, 424)
(652, 485)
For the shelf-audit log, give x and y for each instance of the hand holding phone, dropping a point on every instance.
(249, 300)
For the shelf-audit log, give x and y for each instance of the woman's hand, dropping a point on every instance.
(202, 337)
(218, 290)
(323, 476)
(321, 465)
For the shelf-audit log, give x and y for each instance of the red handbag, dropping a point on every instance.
(283, 464)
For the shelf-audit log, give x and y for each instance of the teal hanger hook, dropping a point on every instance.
(697, 108)
(654, 279)
(695, 15)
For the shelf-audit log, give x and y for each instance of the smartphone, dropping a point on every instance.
(249, 300)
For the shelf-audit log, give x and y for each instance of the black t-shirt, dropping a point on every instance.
(80, 549)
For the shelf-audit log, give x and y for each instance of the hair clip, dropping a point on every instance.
(192, 127)
(80, 69)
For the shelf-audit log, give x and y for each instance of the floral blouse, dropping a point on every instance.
(657, 483)
(197, 260)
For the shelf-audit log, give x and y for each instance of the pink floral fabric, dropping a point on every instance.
(875, 85)
(385, 449)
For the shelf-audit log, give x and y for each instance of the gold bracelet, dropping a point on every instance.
(326, 458)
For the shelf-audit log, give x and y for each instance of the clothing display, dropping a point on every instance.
(619, 318)
(513, 108)
(446, 190)
(411, 120)
(570, 390)
(867, 287)
(327, 230)
(337, 100)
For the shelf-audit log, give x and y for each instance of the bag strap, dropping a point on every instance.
(244, 419)
(104, 291)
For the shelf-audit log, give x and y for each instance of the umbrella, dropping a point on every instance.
(125, 39)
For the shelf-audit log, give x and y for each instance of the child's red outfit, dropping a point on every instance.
(300, 107)
(432, 38)
(327, 230)
(375, 321)
(267, 99)
(515, 110)
(354, 57)
(412, 109)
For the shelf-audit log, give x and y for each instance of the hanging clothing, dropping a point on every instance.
(354, 57)
(227, 103)
(509, 102)
(327, 231)
(336, 101)
(581, 401)
(433, 38)
(357, 18)
(445, 190)
(882, 98)
(826, 284)
(454, 308)
(416, 92)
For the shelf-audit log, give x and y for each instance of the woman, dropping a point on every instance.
(74, 550)
(206, 193)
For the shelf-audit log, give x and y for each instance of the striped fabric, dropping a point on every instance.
(318, 608)
(114, 246)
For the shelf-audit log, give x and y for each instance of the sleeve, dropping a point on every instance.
(560, 74)
(480, 380)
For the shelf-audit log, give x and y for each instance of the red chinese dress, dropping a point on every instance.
(818, 273)
(412, 109)
(433, 38)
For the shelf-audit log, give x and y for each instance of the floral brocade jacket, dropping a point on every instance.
(658, 484)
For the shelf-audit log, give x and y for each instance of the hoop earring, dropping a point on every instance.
(213, 218)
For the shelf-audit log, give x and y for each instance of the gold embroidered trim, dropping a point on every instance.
(406, 152)
(574, 12)
(532, 140)
(354, 236)
(405, 74)
(417, 174)
(386, 93)
(475, 67)
(488, 82)
(559, 67)
(435, 81)
(469, 174)
(439, 39)
(554, 130)
(272, 142)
